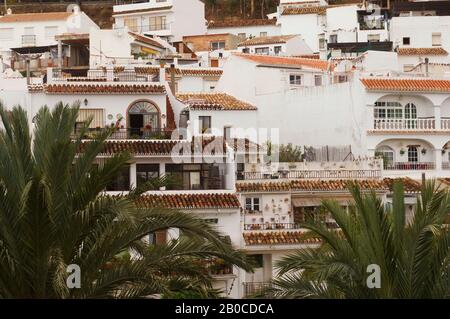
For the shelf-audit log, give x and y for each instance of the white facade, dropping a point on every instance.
(248, 31)
(171, 19)
(289, 47)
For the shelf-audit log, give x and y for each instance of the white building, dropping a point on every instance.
(286, 45)
(248, 28)
(35, 33)
(169, 19)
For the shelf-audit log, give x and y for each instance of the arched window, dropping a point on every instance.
(387, 154)
(144, 118)
(410, 115)
(143, 107)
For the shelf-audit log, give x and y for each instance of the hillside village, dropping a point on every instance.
(295, 103)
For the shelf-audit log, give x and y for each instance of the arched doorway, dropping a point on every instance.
(387, 154)
(143, 118)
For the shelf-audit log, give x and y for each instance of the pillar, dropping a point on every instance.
(437, 116)
(59, 54)
(267, 267)
(133, 177)
(162, 172)
(438, 159)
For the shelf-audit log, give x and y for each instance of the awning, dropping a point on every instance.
(317, 201)
(33, 50)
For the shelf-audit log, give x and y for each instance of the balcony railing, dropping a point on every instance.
(103, 76)
(28, 40)
(404, 125)
(445, 124)
(129, 133)
(406, 166)
(271, 226)
(312, 174)
(255, 288)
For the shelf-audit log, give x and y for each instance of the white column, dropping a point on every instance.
(267, 267)
(59, 54)
(230, 170)
(438, 159)
(133, 178)
(162, 172)
(437, 116)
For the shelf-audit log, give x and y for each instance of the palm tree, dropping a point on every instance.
(413, 257)
(53, 213)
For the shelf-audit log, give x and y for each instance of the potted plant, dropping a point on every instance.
(402, 151)
(424, 151)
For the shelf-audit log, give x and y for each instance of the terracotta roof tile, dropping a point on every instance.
(325, 185)
(279, 238)
(422, 51)
(241, 23)
(214, 101)
(305, 10)
(104, 89)
(190, 201)
(267, 40)
(286, 61)
(32, 17)
(408, 85)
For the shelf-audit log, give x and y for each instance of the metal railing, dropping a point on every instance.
(255, 288)
(104, 76)
(312, 174)
(407, 166)
(28, 40)
(128, 133)
(271, 226)
(405, 124)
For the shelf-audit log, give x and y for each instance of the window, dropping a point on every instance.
(242, 36)
(263, 34)
(204, 124)
(121, 182)
(277, 50)
(333, 38)
(318, 80)
(227, 132)
(50, 32)
(387, 154)
(264, 50)
(388, 111)
(97, 116)
(158, 23)
(322, 44)
(373, 38)
(436, 39)
(217, 45)
(146, 172)
(406, 41)
(131, 24)
(410, 115)
(6, 34)
(413, 154)
(252, 204)
(246, 50)
(295, 79)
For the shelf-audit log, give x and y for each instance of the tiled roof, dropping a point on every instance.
(325, 185)
(241, 23)
(146, 40)
(213, 72)
(157, 147)
(190, 201)
(213, 101)
(422, 51)
(33, 17)
(408, 85)
(267, 40)
(286, 61)
(305, 10)
(279, 238)
(33, 88)
(104, 89)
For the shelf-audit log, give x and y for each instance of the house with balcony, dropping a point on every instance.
(274, 210)
(283, 45)
(162, 18)
(409, 124)
(32, 37)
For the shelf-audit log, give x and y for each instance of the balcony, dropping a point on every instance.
(407, 166)
(128, 133)
(28, 40)
(271, 226)
(312, 174)
(104, 76)
(407, 125)
(255, 288)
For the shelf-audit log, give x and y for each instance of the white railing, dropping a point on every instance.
(445, 124)
(410, 166)
(405, 125)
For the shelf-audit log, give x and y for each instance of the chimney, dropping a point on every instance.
(427, 64)
(8, 11)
